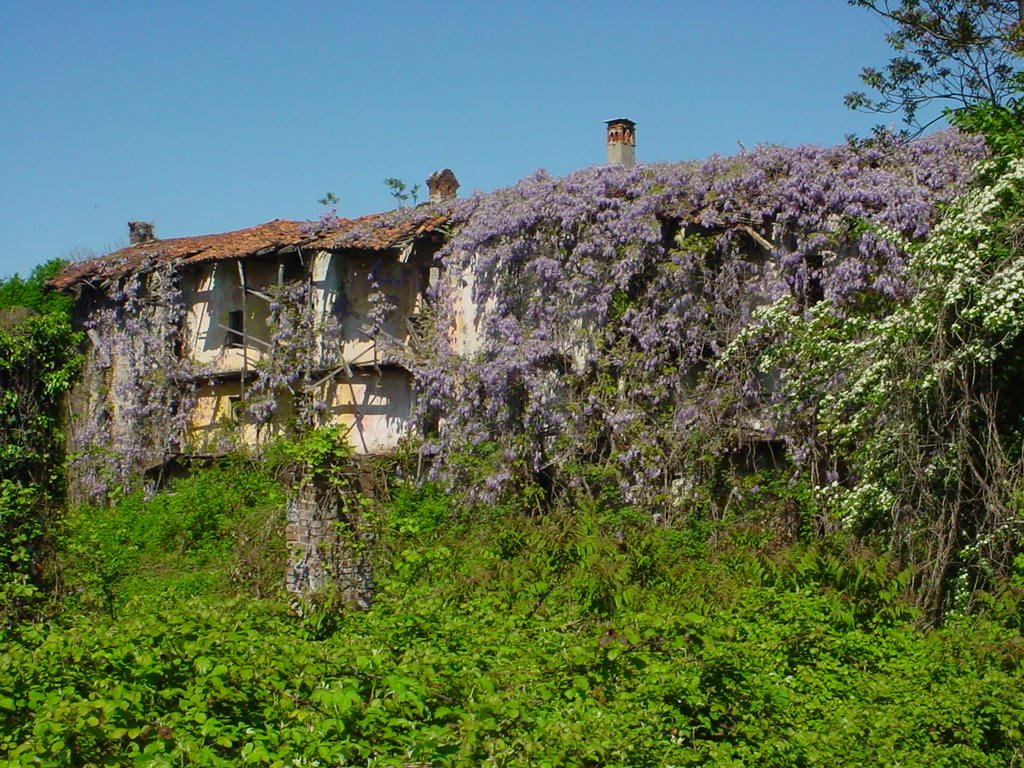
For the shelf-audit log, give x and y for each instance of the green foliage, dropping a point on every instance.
(31, 292)
(38, 364)
(401, 192)
(1001, 124)
(416, 510)
(215, 532)
(565, 640)
(915, 428)
(322, 455)
(925, 408)
(960, 52)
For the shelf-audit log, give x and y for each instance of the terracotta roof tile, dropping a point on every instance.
(377, 232)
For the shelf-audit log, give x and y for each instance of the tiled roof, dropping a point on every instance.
(377, 232)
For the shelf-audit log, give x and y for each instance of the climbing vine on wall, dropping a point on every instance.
(291, 357)
(608, 297)
(138, 386)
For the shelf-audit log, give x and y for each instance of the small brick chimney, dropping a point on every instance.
(621, 142)
(140, 232)
(442, 185)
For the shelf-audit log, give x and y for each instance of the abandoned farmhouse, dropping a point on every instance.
(202, 345)
(230, 284)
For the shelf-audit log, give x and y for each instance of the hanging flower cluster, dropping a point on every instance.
(140, 388)
(604, 301)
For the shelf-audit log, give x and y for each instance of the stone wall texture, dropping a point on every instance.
(329, 543)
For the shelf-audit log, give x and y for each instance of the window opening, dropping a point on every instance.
(235, 328)
(292, 269)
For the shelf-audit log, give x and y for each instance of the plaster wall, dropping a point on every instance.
(342, 289)
(374, 408)
(468, 317)
(344, 285)
(217, 423)
(211, 293)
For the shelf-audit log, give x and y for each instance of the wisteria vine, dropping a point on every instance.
(601, 305)
(606, 299)
(138, 386)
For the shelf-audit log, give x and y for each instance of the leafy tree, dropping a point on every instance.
(31, 292)
(958, 53)
(38, 363)
(917, 417)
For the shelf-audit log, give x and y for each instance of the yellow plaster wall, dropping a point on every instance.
(374, 408)
(373, 404)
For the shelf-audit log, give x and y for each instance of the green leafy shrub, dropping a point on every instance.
(416, 510)
(472, 659)
(38, 364)
(31, 293)
(321, 455)
(216, 531)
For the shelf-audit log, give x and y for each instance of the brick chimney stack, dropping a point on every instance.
(140, 232)
(621, 142)
(442, 185)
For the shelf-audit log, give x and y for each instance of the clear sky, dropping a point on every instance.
(211, 116)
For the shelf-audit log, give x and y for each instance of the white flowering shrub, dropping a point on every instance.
(918, 426)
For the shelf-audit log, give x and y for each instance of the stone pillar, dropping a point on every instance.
(328, 544)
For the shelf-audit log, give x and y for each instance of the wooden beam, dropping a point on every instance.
(259, 294)
(245, 340)
(344, 367)
(249, 337)
(758, 237)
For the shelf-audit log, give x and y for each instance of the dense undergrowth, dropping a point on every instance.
(585, 637)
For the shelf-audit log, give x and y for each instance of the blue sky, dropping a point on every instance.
(211, 116)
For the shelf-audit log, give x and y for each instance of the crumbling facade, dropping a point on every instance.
(206, 344)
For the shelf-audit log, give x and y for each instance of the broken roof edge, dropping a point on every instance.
(374, 232)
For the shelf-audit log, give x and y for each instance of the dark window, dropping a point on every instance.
(235, 325)
(292, 269)
(235, 407)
